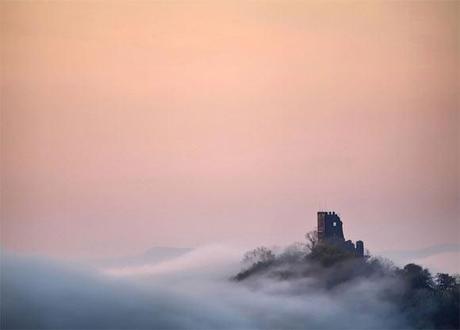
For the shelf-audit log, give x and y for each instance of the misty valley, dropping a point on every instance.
(319, 283)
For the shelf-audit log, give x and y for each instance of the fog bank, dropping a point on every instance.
(184, 293)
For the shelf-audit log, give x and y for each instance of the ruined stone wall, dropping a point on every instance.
(330, 231)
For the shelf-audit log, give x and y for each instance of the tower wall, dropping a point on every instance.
(360, 248)
(330, 227)
(330, 231)
(321, 226)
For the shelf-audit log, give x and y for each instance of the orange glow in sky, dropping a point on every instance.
(126, 125)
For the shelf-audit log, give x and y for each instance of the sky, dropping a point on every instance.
(127, 125)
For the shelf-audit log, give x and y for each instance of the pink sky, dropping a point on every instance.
(126, 125)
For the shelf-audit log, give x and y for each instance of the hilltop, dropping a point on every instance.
(423, 300)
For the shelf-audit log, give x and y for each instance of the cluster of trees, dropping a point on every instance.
(430, 301)
(426, 301)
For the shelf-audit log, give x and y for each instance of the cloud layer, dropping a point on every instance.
(191, 292)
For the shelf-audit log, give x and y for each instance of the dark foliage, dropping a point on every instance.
(426, 301)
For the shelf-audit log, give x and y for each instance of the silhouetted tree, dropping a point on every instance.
(445, 282)
(294, 253)
(417, 277)
(328, 255)
(258, 255)
(312, 239)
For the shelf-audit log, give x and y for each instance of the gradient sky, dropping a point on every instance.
(126, 125)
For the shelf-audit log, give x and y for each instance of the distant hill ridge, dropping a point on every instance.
(152, 255)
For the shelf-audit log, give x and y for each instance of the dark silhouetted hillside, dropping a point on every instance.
(423, 300)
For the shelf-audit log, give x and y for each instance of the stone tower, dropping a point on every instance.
(360, 248)
(330, 228)
(330, 231)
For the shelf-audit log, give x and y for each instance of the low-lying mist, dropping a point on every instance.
(197, 290)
